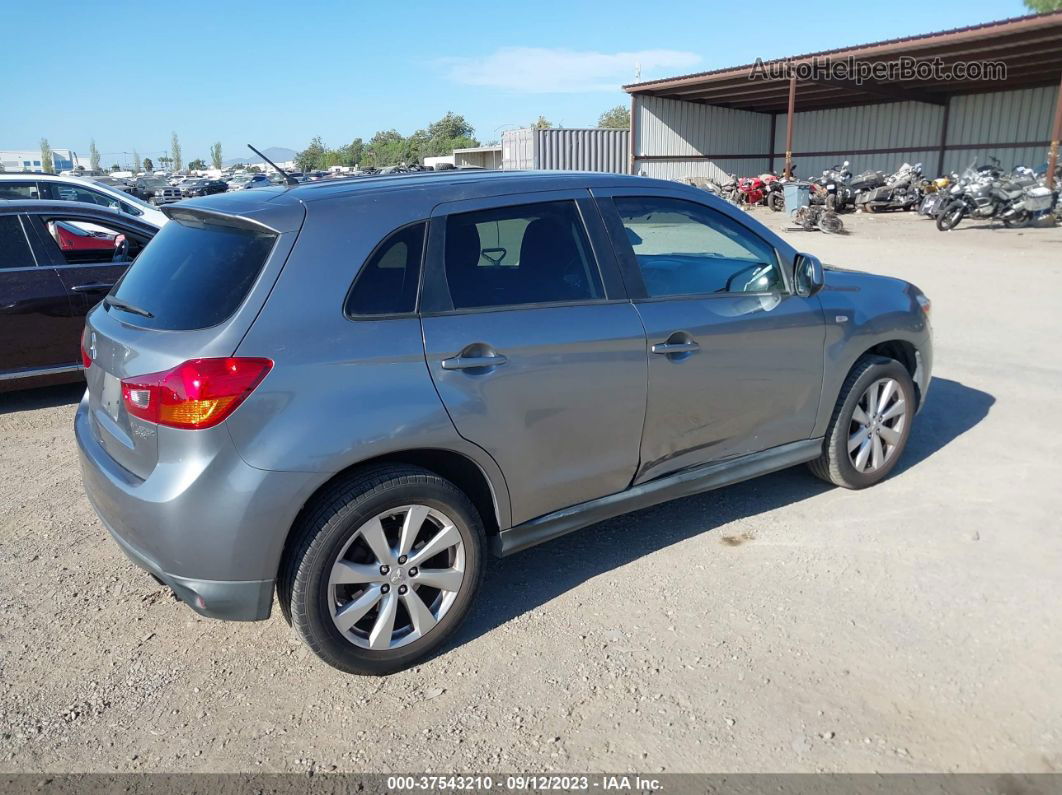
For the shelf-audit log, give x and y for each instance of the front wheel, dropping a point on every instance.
(383, 569)
(776, 201)
(950, 215)
(870, 425)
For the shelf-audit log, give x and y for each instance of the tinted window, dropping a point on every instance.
(527, 254)
(387, 284)
(19, 190)
(193, 275)
(684, 248)
(14, 250)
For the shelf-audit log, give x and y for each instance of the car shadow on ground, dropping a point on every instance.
(522, 582)
(41, 398)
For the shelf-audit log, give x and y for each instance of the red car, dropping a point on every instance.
(84, 244)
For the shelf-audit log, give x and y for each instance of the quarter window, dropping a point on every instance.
(387, 284)
(16, 251)
(685, 248)
(525, 254)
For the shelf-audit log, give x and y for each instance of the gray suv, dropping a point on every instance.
(346, 393)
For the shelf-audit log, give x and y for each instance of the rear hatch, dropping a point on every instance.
(192, 293)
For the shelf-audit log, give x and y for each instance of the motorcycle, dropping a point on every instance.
(901, 191)
(1016, 200)
(936, 192)
(836, 192)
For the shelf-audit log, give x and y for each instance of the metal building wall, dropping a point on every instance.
(696, 140)
(1022, 116)
(588, 149)
(849, 131)
(574, 149)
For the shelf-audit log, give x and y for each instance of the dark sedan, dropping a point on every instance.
(202, 187)
(58, 259)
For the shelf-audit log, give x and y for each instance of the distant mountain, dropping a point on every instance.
(278, 154)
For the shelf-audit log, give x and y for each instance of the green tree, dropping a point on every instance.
(136, 161)
(115, 167)
(94, 156)
(175, 152)
(199, 164)
(542, 123)
(312, 157)
(1043, 6)
(618, 117)
(165, 162)
(148, 165)
(46, 157)
(215, 155)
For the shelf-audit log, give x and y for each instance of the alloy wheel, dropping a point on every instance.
(396, 577)
(877, 426)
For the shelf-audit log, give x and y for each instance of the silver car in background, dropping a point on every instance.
(346, 393)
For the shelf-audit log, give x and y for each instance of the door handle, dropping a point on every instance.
(91, 287)
(675, 347)
(472, 362)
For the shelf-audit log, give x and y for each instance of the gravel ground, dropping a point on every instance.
(778, 625)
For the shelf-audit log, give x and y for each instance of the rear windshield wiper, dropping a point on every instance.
(110, 300)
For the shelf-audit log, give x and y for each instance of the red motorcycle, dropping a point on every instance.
(756, 190)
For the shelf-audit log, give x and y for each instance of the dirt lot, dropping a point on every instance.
(777, 625)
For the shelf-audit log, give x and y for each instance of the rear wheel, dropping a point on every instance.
(384, 569)
(870, 425)
(1018, 221)
(776, 201)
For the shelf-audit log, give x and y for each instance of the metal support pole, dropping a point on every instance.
(943, 137)
(1056, 134)
(633, 131)
(789, 129)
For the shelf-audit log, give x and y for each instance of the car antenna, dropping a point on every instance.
(287, 177)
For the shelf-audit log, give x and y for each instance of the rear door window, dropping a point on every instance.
(19, 190)
(524, 254)
(193, 275)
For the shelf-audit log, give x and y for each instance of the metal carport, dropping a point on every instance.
(728, 121)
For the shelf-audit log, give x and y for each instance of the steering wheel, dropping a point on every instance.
(121, 249)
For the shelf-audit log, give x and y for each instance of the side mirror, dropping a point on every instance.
(808, 275)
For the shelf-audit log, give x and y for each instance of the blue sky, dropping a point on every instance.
(277, 73)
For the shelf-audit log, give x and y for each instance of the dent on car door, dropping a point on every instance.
(735, 358)
(35, 313)
(534, 359)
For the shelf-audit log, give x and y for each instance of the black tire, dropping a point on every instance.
(323, 531)
(1019, 221)
(776, 201)
(834, 465)
(950, 215)
(830, 223)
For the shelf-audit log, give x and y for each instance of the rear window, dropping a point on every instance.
(193, 275)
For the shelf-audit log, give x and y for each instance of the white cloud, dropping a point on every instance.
(540, 70)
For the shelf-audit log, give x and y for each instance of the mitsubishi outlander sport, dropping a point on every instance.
(347, 393)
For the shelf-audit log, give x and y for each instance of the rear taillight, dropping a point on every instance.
(197, 394)
(86, 357)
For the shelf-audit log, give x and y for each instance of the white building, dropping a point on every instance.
(30, 160)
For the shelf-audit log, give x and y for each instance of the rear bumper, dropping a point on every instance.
(206, 523)
(247, 600)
